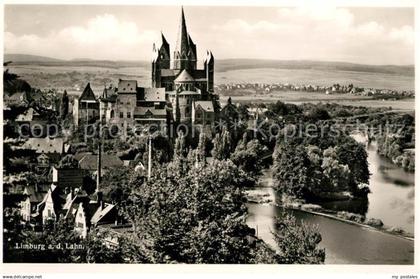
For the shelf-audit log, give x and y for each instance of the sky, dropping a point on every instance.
(363, 35)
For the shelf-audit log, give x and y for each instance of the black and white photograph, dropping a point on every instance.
(199, 133)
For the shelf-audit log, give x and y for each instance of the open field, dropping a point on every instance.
(317, 77)
(298, 97)
(75, 74)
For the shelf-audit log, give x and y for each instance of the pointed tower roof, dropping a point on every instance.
(165, 45)
(164, 41)
(182, 43)
(87, 94)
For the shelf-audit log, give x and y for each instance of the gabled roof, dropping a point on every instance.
(184, 76)
(101, 212)
(109, 93)
(154, 94)
(45, 145)
(90, 161)
(205, 105)
(127, 86)
(87, 94)
(142, 111)
(36, 193)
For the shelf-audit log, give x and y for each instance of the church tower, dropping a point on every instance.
(185, 54)
(161, 60)
(209, 69)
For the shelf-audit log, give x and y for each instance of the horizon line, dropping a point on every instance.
(82, 59)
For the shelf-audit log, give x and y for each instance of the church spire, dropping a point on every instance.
(182, 43)
(185, 48)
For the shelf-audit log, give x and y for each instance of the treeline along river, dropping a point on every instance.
(391, 200)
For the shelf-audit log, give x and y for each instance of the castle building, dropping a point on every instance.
(179, 90)
(184, 83)
(86, 107)
(131, 104)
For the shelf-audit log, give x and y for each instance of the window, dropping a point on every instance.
(112, 114)
(121, 114)
(128, 114)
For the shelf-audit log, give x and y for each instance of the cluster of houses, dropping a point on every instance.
(180, 93)
(227, 89)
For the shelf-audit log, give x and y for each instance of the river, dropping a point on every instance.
(391, 200)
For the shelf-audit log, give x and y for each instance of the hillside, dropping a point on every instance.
(240, 64)
(23, 59)
(222, 65)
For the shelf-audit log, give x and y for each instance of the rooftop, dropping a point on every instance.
(127, 86)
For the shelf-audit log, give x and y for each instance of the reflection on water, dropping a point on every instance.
(392, 197)
(344, 243)
(391, 200)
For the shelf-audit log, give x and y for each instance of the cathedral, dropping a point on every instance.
(189, 90)
(180, 92)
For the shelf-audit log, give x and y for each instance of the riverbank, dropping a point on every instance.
(263, 198)
(318, 210)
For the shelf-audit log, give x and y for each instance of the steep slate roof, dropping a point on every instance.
(45, 145)
(79, 155)
(90, 161)
(101, 212)
(205, 105)
(36, 193)
(127, 86)
(149, 110)
(154, 94)
(184, 76)
(182, 42)
(87, 94)
(109, 94)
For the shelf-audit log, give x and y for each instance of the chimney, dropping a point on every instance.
(149, 165)
(99, 171)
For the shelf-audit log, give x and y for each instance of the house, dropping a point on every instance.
(51, 206)
(70, 178)
(131, 104)
(34, 194)
(51, 147)
(94, 213)
(229, 112)
(89, 162)
(86, 107)
(203, 113)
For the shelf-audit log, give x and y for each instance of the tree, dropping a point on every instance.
(248, 156)
(196, 217)
(293, 171)
(222, 145)
(317, 113)
(64, 106)
(68, 161)
(337, 174)
(353, 154)
(297, 243)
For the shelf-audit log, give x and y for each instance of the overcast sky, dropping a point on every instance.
(360, 35)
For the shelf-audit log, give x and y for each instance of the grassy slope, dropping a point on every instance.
(222, 65)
